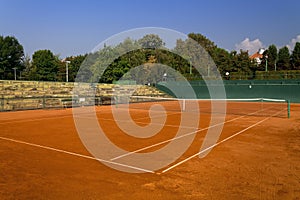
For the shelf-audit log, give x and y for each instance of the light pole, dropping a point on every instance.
(190, 61)
(15, 72)
(67, 70)
(208, 70)
(266, 69)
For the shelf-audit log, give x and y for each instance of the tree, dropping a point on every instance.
(11, 56)
(187, 58)
(27, 68)
(73, 67)
(193, 53)
(283, 59)
(264, 64)
(115, 71)
(242, 66)
(151, 41)
(272, 56)
(207, 44)
(222, 59)
(45, 65)
(295, 57)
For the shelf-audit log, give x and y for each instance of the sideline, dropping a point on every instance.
(75, 154)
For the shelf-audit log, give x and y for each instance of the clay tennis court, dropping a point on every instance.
(256, 157)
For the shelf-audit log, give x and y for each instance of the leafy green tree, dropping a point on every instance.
(242, 66)
(127, 45)
(272, 57)
(182, 58)
(84, 73)
(146, 47)
(232, 67)
(222, 59)
(27, 68)
(45, 65)
(207, 44)
(192, 52)
(283, 59)
(104, 63)
(295, 57)
(115, 71)
(73, 67)
(184, 48)
(61, 71)
(265, 64)
(151, 41)
(11, 56)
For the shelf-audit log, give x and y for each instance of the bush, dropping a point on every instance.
(277, 75)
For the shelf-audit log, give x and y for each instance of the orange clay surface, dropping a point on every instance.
(262, 162)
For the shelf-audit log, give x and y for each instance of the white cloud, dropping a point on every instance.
(292, 43)
(250, 46)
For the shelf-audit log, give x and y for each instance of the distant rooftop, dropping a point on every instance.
(258, 56)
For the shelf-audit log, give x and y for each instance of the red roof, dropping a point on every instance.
(256, 55)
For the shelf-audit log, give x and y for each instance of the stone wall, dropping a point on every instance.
(19, 95)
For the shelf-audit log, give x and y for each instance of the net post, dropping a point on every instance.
(183, 105)
(289, 108)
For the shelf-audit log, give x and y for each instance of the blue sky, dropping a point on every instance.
(72, 27)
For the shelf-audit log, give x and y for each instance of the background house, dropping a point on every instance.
(257, 57)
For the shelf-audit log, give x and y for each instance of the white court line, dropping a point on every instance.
(75, 154)
(156, 116)
(218, 143)
(175, 138)
(33, 120)
(14, 121)
(137, 122)
(45, 118)
(210, 147)
(37, 119)
(145, 110)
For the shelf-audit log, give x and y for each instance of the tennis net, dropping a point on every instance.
(253, 106)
